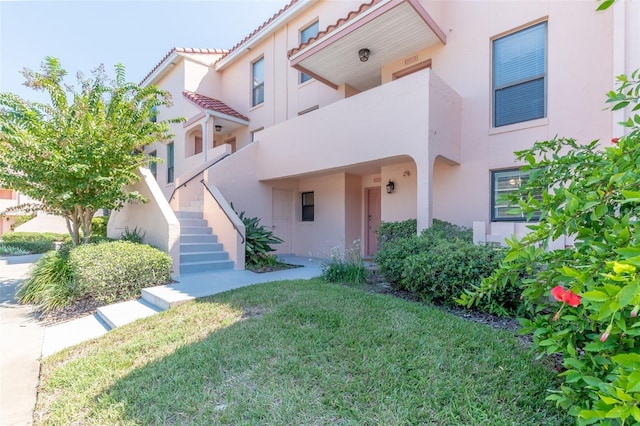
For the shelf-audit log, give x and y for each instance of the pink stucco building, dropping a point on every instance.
(336, 115)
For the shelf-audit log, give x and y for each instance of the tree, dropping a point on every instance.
(78, 153)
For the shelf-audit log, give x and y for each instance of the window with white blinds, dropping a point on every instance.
(519, 74)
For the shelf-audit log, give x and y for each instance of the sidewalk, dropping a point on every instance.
(23, 341)
(20, 346)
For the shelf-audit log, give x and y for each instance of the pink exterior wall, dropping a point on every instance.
(430, 132)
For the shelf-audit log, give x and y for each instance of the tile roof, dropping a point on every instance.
(257, 30)
(354, 13)
(185, 50)
(206, 102)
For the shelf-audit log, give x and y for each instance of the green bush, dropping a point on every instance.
(31, 247)
(99, 226)
(118, 270)
(50, 285)
(258, 240)
(393, 231)
(33, 236)
(12, 251)
(21, 219)
(444, 271)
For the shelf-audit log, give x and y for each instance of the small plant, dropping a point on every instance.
(133, 236)
(10, 250)
(258, 240)
(51, 284)
(346, 269)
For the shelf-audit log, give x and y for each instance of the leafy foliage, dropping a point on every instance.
(99, 226)
(118, 270)
(31, 247)
(258, 240)
(106, 272)
(346, 269)
(33, 236)
(79, 152)
(393, 231)
(51, 283)
(12, 251)
(133, 235)
(21, 219)
(590, 192)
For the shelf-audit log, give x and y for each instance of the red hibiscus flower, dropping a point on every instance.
(614, 140)
(565, 296)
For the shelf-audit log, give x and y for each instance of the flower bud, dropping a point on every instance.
(604, 336)
(634, 312)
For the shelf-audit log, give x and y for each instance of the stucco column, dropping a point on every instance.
(424, 194)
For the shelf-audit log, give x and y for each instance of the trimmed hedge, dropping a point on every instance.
(33, 236)
(118, 270)
(33, 247)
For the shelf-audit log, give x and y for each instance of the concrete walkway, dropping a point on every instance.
(23, 341)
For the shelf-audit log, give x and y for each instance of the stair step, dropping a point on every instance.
(200, 247)
(198, 238)
(190, 230)
(166, 296)
(119, 314)
(214, 265)
(188, 214)
(192, 222)
(202, 256)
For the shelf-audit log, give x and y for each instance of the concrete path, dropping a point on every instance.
(23, 341)
(20, 346)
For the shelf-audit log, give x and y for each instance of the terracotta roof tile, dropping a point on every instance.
(257, 30)
(363, 8)
(190, 50)
(206, 102)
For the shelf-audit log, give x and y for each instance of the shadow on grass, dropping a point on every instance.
(315, 353)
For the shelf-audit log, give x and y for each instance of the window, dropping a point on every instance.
(170, 163)
(506, 182)
(254, 132)
(153, 166)
(154, 114)
(519, 76)
(305, 35)
(307, 207)
(257, 75)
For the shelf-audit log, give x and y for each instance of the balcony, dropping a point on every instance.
(417, 116)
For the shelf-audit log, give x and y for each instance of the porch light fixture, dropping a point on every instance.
(364, 55)
(391, 186)
(218, 128)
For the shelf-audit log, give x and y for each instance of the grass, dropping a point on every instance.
(298, 352)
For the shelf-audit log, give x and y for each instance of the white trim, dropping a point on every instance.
(281, 20)
(161, 69)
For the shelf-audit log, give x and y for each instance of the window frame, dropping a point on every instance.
(153, 166)
(529, 79)
(494, 199)
(307, 212)
(303, 78)
(257, 88)
(170, 162)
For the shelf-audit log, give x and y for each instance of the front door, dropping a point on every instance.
(282, 219)
(372, 220)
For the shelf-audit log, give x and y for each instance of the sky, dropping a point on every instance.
(83, 34)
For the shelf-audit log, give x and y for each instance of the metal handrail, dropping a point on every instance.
(182, 185)
(204, 183)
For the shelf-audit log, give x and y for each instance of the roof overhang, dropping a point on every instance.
(390, 29)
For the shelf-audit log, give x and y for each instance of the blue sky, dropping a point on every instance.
(84, 33)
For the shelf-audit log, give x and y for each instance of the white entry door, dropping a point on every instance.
(283, 219)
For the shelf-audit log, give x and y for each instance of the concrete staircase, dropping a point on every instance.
(200, 250)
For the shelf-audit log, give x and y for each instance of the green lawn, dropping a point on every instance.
(294, 353)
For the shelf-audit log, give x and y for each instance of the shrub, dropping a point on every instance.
(99, 226)
(33, 236)
(50, 285)
(115, 271)
(258, 240)
(12, 251)
(346, 269)
(394, 231)
(449, 267)
(587, 297)
(31, 247)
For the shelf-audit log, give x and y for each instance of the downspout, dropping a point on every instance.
(205, 146)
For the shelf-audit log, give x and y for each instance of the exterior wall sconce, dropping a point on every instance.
(391, 186)
(218, 128)
(364, 55)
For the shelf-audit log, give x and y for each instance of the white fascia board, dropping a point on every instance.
(263, 33)
(227, 117)
(161, 70)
